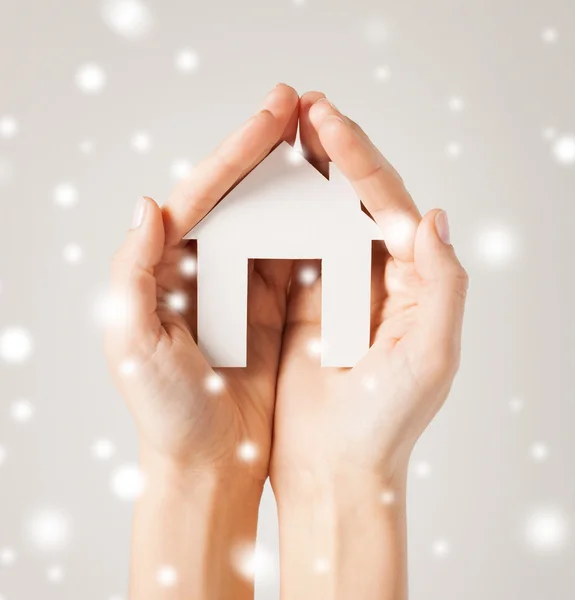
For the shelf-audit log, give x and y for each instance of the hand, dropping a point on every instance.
(343, 437)
(191, 420)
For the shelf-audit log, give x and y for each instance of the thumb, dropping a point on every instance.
(133, 324)
(444, 288)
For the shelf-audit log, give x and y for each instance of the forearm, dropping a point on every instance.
(187, 527)
(343, 537)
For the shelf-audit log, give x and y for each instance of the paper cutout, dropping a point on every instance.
(286, 209)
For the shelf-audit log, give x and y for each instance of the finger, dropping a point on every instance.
(133, 324)
(304, 306)
(444, 287)
(196, 195)
(376, 182)
(311, 144)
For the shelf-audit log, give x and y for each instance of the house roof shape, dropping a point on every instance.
(285, 208)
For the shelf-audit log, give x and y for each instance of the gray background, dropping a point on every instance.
(490, 515)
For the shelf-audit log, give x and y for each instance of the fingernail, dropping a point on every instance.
(442, 227)
(139, 213)
(329, 102)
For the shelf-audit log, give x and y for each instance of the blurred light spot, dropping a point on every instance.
(22, 410)
(86, 146)
(550, 35)
(91, 78)
(496, 246)
(314, 347)
(399, 233)
(3, 455)
(516, 404)
(369, 382)
(128, 482)
(16, 345)
(547, 530)
(7, 557)
(66, 195)
(564, 149)
(382, 73)
(129, 18)
(55, 574)
(73, 254)
(387, 497)
(456, 103)
(128, 367)
(422, 470)
(295, 157)
(177, 301)
(214, 383)
(308, 275)
(441, 548)
(8, 127)
(247, 451)
(321, 565)
(539, 452)
(49, 530)
(110, 309)
(180, 169)
(187, 60)
(256, 563)
(142, 142)
(167, 576)
(189, 266)
(453, 150)
(103, 449)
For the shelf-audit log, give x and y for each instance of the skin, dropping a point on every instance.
(341, 437)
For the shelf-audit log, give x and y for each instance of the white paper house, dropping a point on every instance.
(285, 209)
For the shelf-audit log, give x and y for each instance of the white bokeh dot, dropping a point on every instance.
(22, 410)
(180, 169)
(308, 275)
(214, 383)
(16, 345)
(91, 78)
(382, 73)
(128, 482)
(539, 452)
(254, 563)
(177, 301)
(65, 195)
(516, 404)
(167, 576)
(387, 497)
(547, 530)
(55, 574)
(422, 469)
(131, 19)
(369, 382)
(3, 455)
(187, 60)
(564, 149)
(455, 103)
(189, 266)
(8, 127)
(453, 149)
(321, 565)
(49, 530)
(72, 253)
(550, 35)
(7, 557)
(103, 449)
(441, 548)
(496, 246)
(247, 451)
(141, 142)
(314, 347)
(86, 146)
